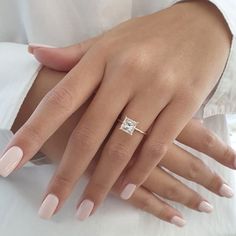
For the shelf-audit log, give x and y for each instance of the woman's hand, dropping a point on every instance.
(157, 70)
(160, 182)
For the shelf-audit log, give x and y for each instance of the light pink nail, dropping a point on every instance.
(48, 206)
(128, 191)
(33, 46)
(205, 207)
(84, 210)
(37, 45)
(10, 160)
(226, 191)
(180, 222)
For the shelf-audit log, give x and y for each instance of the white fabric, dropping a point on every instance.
(60, 23)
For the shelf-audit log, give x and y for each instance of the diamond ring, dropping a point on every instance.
(129, 126)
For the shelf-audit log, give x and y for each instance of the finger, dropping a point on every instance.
(86, 139)
(190, 167)
(61, 59)
(146, 201)
(164, 130)
(207, 142)
(56, 107)
(168, 187)
(117, 153)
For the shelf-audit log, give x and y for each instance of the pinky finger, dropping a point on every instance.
(148, 202)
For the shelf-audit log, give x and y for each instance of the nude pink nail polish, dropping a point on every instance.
(32, 46)
(10, 160)
(85, 209)
(226, 191)
(178, 221)
(128, 191)
(205, 207)
(48, 206)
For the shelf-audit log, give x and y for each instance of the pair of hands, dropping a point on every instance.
(160, 182)
(156, 69)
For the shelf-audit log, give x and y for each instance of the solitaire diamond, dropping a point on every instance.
(128, 125)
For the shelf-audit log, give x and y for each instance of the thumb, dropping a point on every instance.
(60, 59)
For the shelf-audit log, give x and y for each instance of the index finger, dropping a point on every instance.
(54, 109)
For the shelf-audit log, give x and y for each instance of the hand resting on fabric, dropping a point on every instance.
(160, 182)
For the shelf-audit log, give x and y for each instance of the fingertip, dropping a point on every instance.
(48, 207)
(34, 46)
(178, 221)
(85, 209)
(206, 207)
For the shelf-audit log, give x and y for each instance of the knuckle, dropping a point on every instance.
(156, 150)
(62, 182)
(60, 97)
(133, 60)
(83, 137)
(209, 141)
(172, 193)
(194, 169)
(118, 152)
(146, 204)
(31, 134)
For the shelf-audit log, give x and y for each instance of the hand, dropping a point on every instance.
(168, 61)
(159, 182)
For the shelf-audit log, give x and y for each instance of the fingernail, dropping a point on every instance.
(10, 160)
(180, 222)
(48, 207)
(84, 210)
(226, 191)
(128, 191)
(32, 46)
(205, 207)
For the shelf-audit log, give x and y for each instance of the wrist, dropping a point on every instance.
(206, 13)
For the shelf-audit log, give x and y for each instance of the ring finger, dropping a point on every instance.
(117, 154)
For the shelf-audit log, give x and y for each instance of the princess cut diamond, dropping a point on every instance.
(128, 125)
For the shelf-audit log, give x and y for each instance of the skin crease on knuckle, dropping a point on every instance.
(118, 153)
(83, 138)
(61, 98)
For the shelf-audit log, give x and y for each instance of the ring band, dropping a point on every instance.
(129, 126)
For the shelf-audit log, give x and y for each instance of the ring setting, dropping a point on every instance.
(129, 126)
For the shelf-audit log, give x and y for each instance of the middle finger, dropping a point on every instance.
(116, 155)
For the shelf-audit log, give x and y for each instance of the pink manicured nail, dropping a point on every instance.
(226, 191)
(205, 207)
(128, 191)
(84, 210)
(10, 160)
(180, 222)
(48, 207)
(33, 46)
